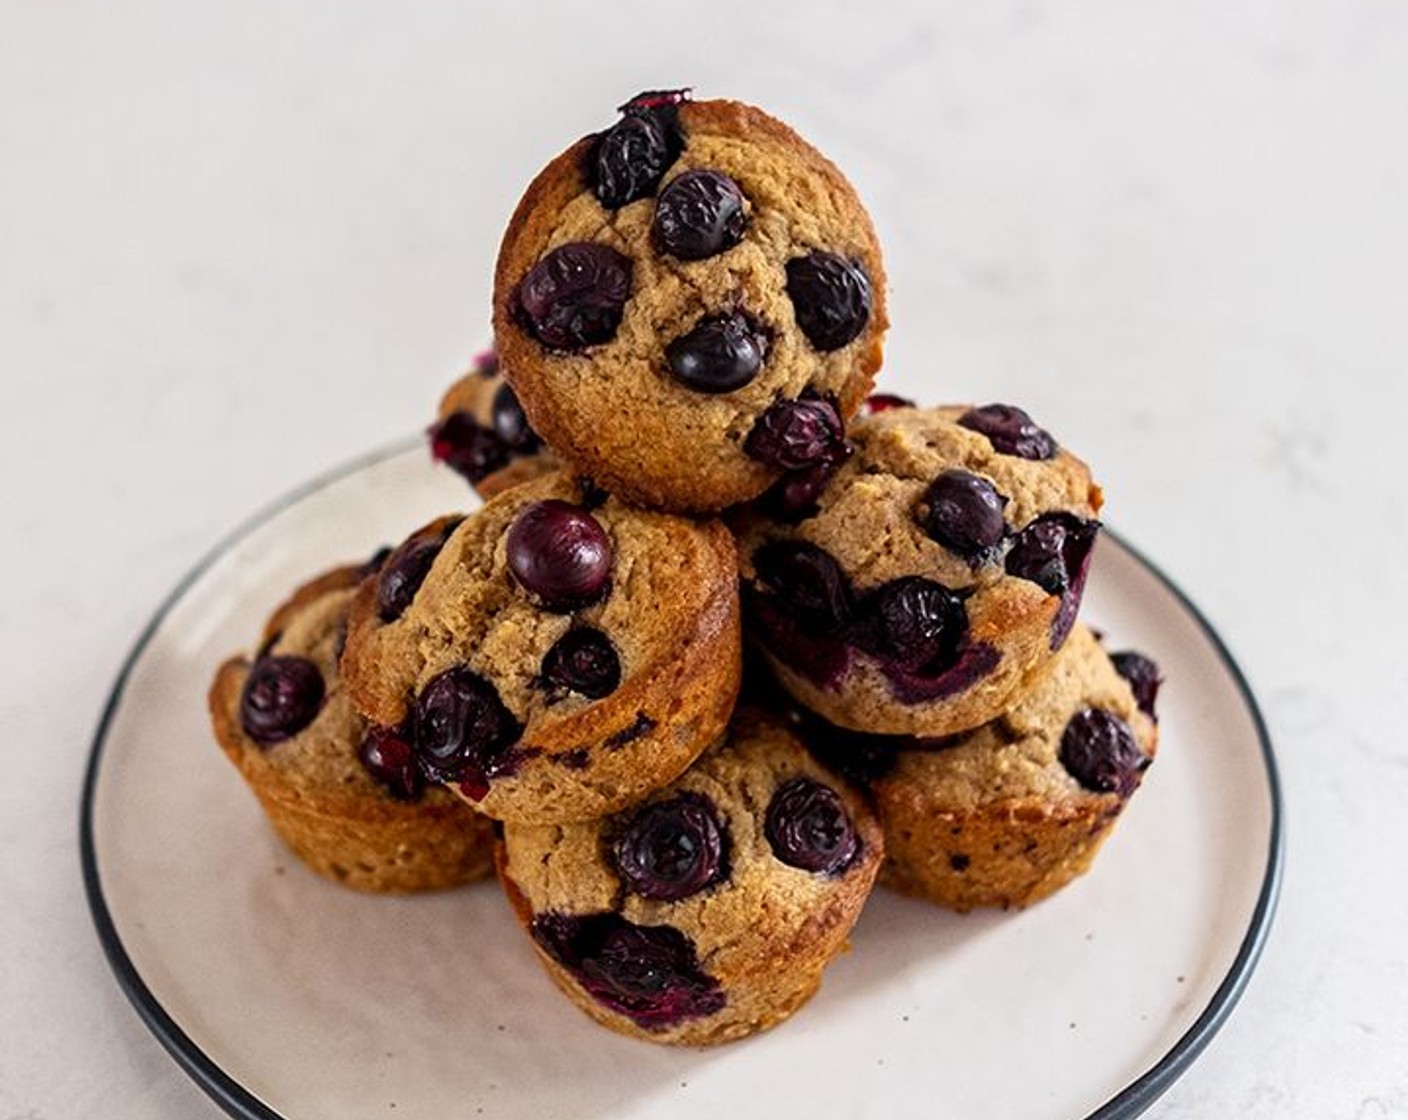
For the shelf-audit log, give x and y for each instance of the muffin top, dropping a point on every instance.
(690, 303)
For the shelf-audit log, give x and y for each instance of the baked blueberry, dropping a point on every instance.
(699, 214)
(830, 297)
(1100, 752)
(671, 849)
(280, 699)
(560, 553)
(722, 353)
(808, 827)
(963, 512)
(1011, 431)
(573, 298)
(583, 661)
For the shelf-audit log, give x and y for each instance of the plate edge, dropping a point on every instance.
(1131, 1101)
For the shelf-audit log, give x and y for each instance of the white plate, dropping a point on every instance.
(286, 996)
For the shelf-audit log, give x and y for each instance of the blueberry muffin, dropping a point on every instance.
(923, 587)
(691, 304)
(555, 656)
(342, 795)
(1008, 813)
(708, 912)
(481, 431)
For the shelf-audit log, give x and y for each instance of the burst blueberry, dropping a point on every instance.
(462, 728)
(388, 756)
(793, 435)
(1143, 676)
(650, 974)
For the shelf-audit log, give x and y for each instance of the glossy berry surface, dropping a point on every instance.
(671, 849)
(583, 661)
(629, 159)
(1143, 676)
(650, 974)
(388, 756)
(794, 496)
(511, 422)
(560, 553)
(1054, 552)
(281, 697)
(1011, 431)
(830, 298)
(721, 353)
(462, 728)
(794, 435)
(573, 298)
(1100, 752)
(698, 215)
(1051, 550)
(467, 447)
(917, 622)
(808, 827)
(405, 570)
(963, 512)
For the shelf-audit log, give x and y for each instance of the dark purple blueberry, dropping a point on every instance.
(511, 422)
(650, 974)
(1143, 676)
(944, 678)
(629, 159)
(462, 729)
(466, 446)
(808, 827)
(830, 297)
(883, 402)
(583, 661)
(573, 298)
(964, 514)
(794, 435)
(1050, 550)
(560, 553)
(1011, 431)
(794, 496)
(641, 725)
(376, 560)
(1100, 752)
(914, 622)
(406, 568)
(699, 214)
(389, 758)
(281, 696)
(671, 849)
(721, 353)
(1054, 553)
(806, 583)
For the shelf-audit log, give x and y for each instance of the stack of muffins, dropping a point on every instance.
(730, 637)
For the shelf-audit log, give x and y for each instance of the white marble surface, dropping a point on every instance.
(240, 242)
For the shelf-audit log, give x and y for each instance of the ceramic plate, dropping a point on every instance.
(285, 996)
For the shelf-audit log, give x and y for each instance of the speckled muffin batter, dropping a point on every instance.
(482, 433)
(708, 912)
(1007, 814)
(932, 579)
(338, 792)
(691, 304)
(555, 656)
